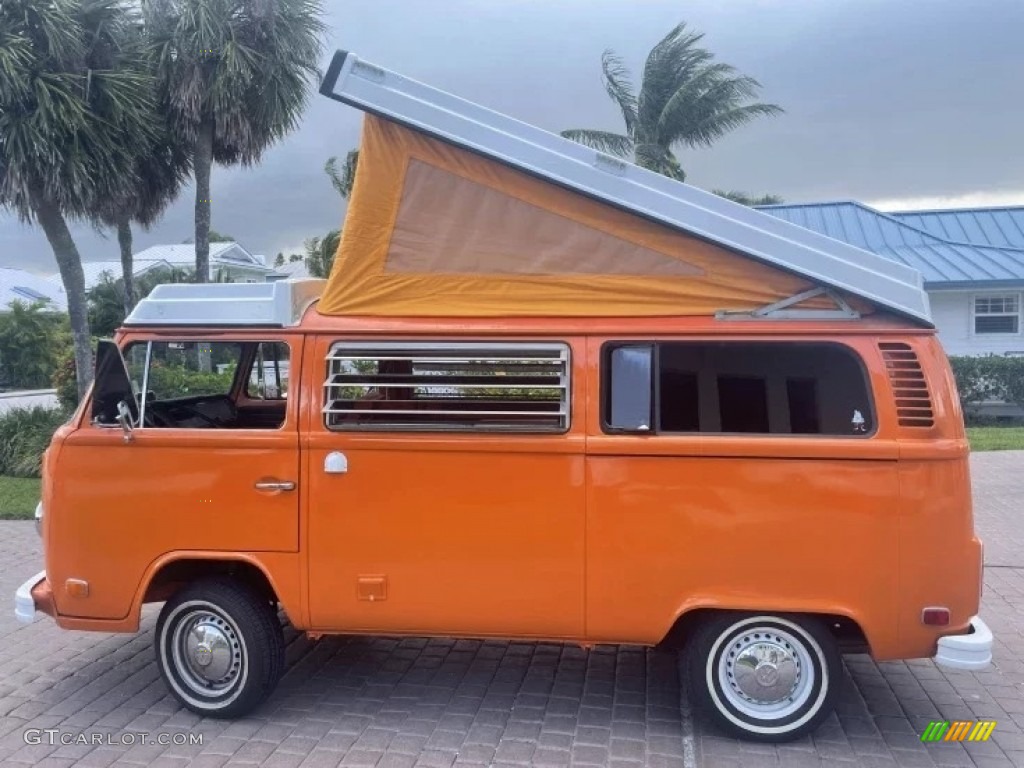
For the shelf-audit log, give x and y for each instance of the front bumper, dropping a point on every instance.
(971, 651)
(34, 595)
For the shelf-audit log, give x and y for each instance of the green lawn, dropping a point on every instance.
(18, 497)
(996, 438)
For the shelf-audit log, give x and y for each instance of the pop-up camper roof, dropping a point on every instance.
(460, 211)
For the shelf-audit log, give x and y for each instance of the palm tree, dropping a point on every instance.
(107, 298)
(343, 179)
(320, 253)
(234, 76)
(161, 169)
(74, 103)
(686, 99)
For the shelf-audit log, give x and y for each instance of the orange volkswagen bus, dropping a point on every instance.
(583, 404)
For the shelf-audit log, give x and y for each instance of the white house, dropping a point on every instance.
(19, 285)
(290, 270)
(972, 261)
(228, 260)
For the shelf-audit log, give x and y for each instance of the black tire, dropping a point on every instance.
(724, 662)
(241, 636)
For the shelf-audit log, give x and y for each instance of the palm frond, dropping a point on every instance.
(657, 158)
(717, 125)
(603, 141)
(343, 179)
(713, 107)
(245, 65)
(669, 63)
(620, 88)
(81, 109)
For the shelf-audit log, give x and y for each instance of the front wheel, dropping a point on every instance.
(219, 647)
(764, 677)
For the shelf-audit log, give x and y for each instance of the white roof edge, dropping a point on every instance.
(759, 235)
(279, 304)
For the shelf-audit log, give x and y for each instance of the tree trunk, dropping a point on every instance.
(124, 239)
(203, 161)
(70, 265)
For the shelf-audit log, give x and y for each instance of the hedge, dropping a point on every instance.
(988, 378)
(24, 435)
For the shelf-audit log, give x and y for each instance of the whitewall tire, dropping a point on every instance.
(219, 647)
(765, 677)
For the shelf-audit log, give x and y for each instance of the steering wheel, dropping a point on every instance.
(200, 415)
(156, 419)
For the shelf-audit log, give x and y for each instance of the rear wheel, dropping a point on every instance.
(764, 677)
(219, 647)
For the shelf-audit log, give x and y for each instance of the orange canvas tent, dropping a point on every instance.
(449, 224)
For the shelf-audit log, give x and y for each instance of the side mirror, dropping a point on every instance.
(124, 418)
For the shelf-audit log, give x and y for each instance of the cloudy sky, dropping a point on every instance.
(899, 104)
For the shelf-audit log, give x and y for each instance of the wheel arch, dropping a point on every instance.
(846, 629)
(173, 570)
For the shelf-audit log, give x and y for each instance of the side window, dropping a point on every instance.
(765, 388)
(448, 387)
(193, 384)
(186, 369)
(268, 375)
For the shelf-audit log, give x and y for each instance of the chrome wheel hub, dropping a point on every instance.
(765, 673)
(207, 652)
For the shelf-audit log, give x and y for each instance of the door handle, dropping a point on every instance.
(275, 485)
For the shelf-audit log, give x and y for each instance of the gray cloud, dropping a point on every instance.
(884, 101)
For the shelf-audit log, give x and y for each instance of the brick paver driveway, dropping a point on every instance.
(362, 701)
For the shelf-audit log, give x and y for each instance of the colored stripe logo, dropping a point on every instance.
(958, 730)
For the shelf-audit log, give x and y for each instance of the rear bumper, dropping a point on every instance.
(971, 651)
(34, 595)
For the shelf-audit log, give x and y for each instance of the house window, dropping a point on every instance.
(448, 387)
(997, 313)
(760, 388)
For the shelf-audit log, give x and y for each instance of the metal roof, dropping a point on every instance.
(823, 260)
(279, 304)
(95, 270)
(998, 227)
(228, 253)
(290, 270)
(944, 262)
(167, 257)
(26, 287)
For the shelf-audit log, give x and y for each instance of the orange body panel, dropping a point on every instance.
(583, 536)
(473, 534)
(115, 508)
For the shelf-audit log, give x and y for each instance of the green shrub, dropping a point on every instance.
(24, 435)
(65, 381)
(172, 381)
(987, 378)
(30, 340)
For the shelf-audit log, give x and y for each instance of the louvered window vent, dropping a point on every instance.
(913, 401)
